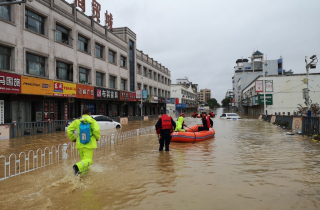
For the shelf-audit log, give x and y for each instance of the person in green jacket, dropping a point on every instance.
(180, 123)
(85, 150)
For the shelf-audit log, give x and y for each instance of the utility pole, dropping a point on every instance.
(311, 65)
(264, 88)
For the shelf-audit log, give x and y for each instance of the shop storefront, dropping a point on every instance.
(128, 105)
(107, 101)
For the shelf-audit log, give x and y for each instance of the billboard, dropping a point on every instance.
(64, 89)
(36, 86)
(10, 83)
(138, 93)
(269, 86)
(259, 86)
(269, 99)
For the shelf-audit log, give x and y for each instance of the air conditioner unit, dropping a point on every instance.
(71, 100)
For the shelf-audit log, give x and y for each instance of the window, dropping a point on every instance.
(138, 69)
(150, 90)
(139, 86)
(62, 34)
(83, 44)
(165, 81)
(123, 84)
(159, 78)
(150, 74)
(145, 87)
(34, 22)
(64, 71)
(99, 51)
(123, 61)
(159, 93)
(155, 76)
(5, 55)
(35, 64)
(112, 57)
(155, 91)
(83, 75)
(112, 82)
(5, 11)
(144, 71)
(162, 80)
(99, 79)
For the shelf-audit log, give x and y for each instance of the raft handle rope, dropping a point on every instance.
(194, 133)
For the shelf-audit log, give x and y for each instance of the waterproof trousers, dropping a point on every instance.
(86, 159)
(164, 141)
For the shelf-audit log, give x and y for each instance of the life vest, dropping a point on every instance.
(208, 121)
(166, 123)
(211, 114)
(194, 114)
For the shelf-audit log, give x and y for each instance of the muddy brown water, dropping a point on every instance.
(250, 164)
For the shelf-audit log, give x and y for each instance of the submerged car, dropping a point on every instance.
(104, 122)
(230, 116)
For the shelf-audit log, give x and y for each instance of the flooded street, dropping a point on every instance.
(250, 164)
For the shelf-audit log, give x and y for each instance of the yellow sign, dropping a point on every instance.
(36, 86)
(64, 89)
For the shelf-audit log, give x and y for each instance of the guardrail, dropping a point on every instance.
(33, 160)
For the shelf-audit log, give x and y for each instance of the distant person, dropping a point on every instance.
(88, 135)
(194, 115)
(180, 124)
(164, 128)
(206, 121)
(211, 114)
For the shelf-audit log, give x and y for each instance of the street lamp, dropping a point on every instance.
(311, 65)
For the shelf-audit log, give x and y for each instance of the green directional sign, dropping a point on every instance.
(269, 100)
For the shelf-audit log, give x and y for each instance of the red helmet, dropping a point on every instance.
(182, 115)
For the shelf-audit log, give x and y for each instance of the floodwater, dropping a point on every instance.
(250, 164)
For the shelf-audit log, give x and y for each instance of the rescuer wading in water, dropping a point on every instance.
(164, 128)
(88, 135)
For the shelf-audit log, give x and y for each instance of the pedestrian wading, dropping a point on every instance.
(164, 129)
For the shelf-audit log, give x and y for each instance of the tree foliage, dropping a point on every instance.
(212, 102)
(315, 109)
(226, 101)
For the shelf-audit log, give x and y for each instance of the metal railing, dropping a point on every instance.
(26, 162)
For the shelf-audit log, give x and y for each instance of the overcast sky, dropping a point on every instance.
(202, 39)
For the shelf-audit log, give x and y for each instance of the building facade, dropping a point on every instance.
(186, 93)
(245, 72)
(229, 93)
(55, 60)
(205, 94)
(283, 93)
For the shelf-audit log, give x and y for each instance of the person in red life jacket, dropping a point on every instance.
(194, 115)
(206, 121)
(165, 127)
(211, 114)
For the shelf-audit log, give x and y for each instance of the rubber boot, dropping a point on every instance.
(76, 170)
(160, 148)
(167, 148)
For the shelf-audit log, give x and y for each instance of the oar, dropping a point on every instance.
(194, 133)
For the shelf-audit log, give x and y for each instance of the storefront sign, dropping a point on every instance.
(269, 99)
(269, 85)
(85, 91)
(124, 96)
(92, 107)
(36, 86)
(161, 100)
(138, 93)
(144, 94)
(132, 97)
(10, 83)
(173, 100)
(168, 101)
(259, 86)
(4, 132)
(103, 93)
(153, 99)
(64, 89)
(177, 101)
(181, 106)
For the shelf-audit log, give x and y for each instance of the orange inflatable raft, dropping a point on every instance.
(192, 135)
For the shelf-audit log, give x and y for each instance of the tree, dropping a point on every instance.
(225, 102)
(212, 102)
(315, 109)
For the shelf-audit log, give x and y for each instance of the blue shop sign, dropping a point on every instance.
(181, 106)
(168, 101)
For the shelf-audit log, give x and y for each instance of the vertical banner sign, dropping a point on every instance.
(66, 111)
(1, 111)
(138, 94)
(144, 94)
(177, 101)
(269, 86)
(259, 86)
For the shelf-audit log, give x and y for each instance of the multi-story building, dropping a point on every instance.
(245, 72)
(205, 94)
(55, 60)
(186, 93)
(229, 93)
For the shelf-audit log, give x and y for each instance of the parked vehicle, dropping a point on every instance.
(104, 122)
(230, 116)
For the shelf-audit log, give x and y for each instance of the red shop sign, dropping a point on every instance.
(132, 97)
(10, 83)
(124, 96)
